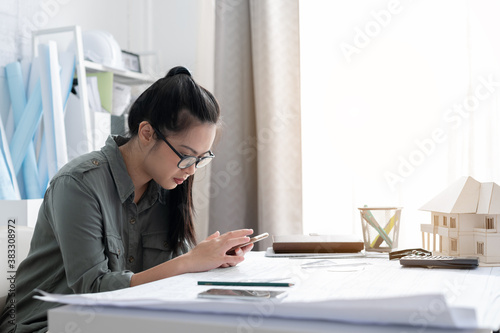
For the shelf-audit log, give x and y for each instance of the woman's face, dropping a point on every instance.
(162, 161)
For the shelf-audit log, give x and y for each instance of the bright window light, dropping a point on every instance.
(377, 78)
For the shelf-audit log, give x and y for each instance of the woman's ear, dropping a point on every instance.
(146, 133)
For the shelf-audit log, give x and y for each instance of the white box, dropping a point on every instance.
(25, 212)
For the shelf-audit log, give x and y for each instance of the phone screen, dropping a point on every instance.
(252, 240)
(241, 294)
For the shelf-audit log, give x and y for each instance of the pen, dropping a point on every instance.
(388, 227)
(371, 220)
(244, 284)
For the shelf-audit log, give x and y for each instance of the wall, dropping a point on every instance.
(166, 33)
(15, 18)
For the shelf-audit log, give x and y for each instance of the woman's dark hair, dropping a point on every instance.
(171, 105)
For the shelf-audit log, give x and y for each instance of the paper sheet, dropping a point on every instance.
(104, 89)
(383, 292)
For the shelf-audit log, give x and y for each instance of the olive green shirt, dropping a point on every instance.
(90, 236)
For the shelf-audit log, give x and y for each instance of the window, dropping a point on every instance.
(362, 112)
(440, 247)
(453, 222)
(490, 223)
(453, 245)
(480, 248)
(445, 221)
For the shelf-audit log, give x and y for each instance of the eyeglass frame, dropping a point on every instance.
(184, 157)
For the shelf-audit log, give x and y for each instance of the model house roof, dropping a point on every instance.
(467, 195)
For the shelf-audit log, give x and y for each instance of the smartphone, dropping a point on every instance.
(244, 294)
(252, 240)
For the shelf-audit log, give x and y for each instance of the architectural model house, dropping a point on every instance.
(465, 219)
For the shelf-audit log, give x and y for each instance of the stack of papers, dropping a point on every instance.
(383, 292)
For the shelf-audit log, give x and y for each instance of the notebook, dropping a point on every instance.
(317, 244)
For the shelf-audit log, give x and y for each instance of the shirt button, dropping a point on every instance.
(95, 162)
(165, 244)
(131, 259)
(132, 221)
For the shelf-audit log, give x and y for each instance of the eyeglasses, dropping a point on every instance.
(186, 160)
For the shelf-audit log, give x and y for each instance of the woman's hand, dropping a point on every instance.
(240, 251)
(211, 253)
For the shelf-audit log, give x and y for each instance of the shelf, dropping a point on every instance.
(120, 75)
(84, 66)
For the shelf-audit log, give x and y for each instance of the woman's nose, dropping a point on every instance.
(191, 170)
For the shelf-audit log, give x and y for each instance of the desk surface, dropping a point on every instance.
(361, 291)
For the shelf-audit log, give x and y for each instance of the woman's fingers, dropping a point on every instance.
(213, 250)
(230, 243)
(214, 235)
(232, 260)
(238, 256)
(241, 251)
(247, 248)
(237, 233)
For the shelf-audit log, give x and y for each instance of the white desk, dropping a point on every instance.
(321, 301)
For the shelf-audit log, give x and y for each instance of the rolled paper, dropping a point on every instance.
(53, 115)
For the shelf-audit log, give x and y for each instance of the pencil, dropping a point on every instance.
(244, 284)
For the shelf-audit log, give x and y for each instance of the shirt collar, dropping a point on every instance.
(150, 197)
(123, 182)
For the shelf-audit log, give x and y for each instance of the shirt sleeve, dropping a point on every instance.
(75, 216)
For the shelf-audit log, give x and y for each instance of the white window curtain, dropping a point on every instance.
(399, 98)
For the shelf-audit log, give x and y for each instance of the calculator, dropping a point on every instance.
(439, 261)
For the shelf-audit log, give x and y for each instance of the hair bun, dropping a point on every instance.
(178, 70)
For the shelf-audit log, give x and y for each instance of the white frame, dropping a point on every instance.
(80, 70)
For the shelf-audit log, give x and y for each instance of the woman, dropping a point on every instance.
(123, 216)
